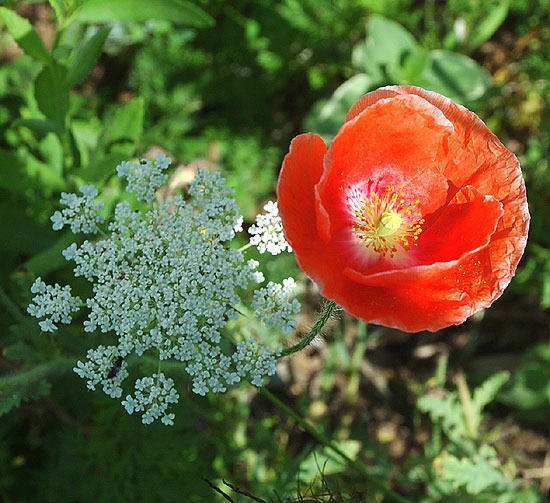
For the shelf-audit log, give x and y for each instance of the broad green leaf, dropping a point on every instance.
(47, 175)
(177, 11)
(102, 167)
(51, 95)
(387, 46)
(488, 24)
(38, 126)
(454, 75)
(86, 57)
(25, 35)
(327, 117)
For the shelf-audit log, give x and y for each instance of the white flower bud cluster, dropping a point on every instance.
(275, 305)
(144, 178)
(165, 281)
(267, 233)
(55, 303)
(105, 366)
(152, 397)
(81, 213)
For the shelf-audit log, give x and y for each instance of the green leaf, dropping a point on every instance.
(25, 35)
(454, 75)
(11, 174)
(326, 462)
(50, 259)
(38, 126)
(387, 46)
(102, 168)
(86, 57)
(177, 11)
(328, 116)
(487, 392)
(445, 408)
(17, 351)
(125, 127)
(475, 475)
(58, 7)
(29, 383)
(488, 24)
(51, 95)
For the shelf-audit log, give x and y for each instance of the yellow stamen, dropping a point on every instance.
(386, 222)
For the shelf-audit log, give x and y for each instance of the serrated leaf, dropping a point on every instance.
(474, 475)
(25, 35)
(86, 57)
(488, 390)
(17, 351)
(177, 11)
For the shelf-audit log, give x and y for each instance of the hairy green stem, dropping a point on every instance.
(323, 439)
(328, 310)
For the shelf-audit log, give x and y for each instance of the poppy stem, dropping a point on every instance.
(328, 310)
(323, 439)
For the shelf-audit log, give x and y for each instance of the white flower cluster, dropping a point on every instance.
(105, 366)
(144, 178)
(166, 282)
(153, 396)
(256, 360)
(275, 305)
(53, 302)
(267, 233)
(81, 213)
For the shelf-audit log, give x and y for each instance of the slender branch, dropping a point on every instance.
(11, 306)
(329, 308)
(323, 439)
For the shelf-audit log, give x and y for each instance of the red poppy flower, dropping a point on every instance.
(414, 218)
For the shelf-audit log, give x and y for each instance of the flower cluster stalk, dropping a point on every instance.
(327, 312)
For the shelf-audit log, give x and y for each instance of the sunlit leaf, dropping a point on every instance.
(24, 34)
(488, 24)
(177, 11)
(86, 57)
(454, 75)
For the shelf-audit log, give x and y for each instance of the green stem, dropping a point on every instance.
(329, 308)
(467, 406)
(10, 306)
(245, 247)
(323, 439)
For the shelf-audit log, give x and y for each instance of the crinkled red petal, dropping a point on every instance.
(471, 193)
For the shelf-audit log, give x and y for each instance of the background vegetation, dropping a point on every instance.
(458, 416)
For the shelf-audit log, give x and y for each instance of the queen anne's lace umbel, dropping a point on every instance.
(165, 281)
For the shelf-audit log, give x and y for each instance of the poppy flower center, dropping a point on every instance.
(385, 222)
